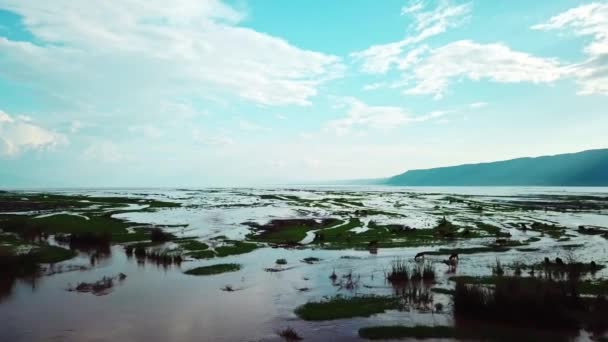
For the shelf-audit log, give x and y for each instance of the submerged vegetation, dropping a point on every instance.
(289, 334)
(213, 269)
(100, 287)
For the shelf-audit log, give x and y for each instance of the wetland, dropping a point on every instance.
(310, 263)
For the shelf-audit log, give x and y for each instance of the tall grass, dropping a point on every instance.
(400, 271)
(519, 301)
(498, 269)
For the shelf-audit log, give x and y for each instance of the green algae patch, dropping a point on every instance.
(342, 307)
(214, 269)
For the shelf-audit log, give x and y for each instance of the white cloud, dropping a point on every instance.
(467, 59)
(251, 127)
(361, 115)
(476, 105)
(217, 140)
(379, 58)
(19, 134)
(128, 52)
(147, 130)
(586, 20)
(75, 126)
(106, 152)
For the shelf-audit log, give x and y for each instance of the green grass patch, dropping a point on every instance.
(381, 236)
(193, 245)
(237, 247)
(71, 224)
(290, 231)
(207, 254)
(214, 269)
(13, 201)
(341, 307)
(52, 254)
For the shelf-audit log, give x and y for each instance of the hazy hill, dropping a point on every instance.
(588, 168)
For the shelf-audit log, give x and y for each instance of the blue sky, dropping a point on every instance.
(246, 92)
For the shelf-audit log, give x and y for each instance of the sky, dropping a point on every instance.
(135, 93)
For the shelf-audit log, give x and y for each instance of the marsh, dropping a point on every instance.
(158, 238)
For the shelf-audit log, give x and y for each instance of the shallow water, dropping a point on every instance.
(155, 303)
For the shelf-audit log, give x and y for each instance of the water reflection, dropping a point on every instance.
(14, 268)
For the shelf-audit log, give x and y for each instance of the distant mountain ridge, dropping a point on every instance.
(587, 168)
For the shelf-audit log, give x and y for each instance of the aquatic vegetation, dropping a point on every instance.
(378, 236)
(552, 230)
(207, 254)
(157, 235)
(235, 248)
(424, 271)
(530, 302)
(289, 334)
(348, 282)
(230, 288)
(213, 269)
(98, 224)
(498, 269)
(363, 222)
(100, 287)
(310, 260)
(192, 245)
(592, 230)
(277, 269)
(20, 202)
(343, 307)
(400, 271)
(289, 231)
